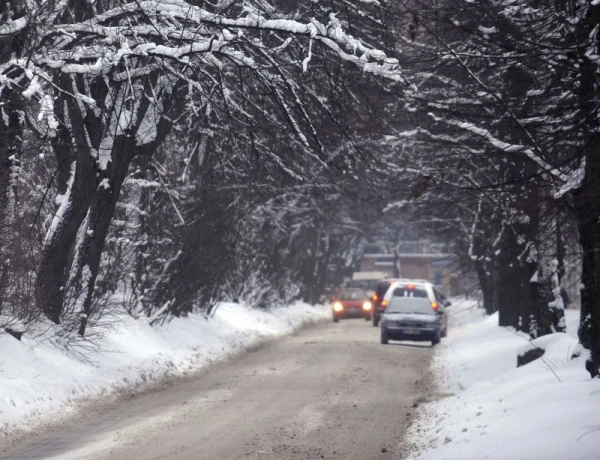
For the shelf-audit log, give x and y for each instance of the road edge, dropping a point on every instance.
(79, 409)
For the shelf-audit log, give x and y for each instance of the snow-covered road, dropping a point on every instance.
(331, 392)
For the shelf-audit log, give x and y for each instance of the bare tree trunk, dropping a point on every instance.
(515, 300)
(11, 135)
(549, 314)
(586, 199)
(589, 327)
(487, 287)
(54, 266)
(108, 183)
(479, 251)
(11, 146)
(587, 210)
(76, 185)
(102, 209)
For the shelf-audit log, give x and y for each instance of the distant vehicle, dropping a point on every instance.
(351, 303)
(367, 280)
(395, 287)
(413, 318)
(415, 288)
(377, 298)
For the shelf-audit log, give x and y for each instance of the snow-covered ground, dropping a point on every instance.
(41, 380)
(493, 410)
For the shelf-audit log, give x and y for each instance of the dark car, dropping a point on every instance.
(351, 303)
(413, 318)
(377, 299)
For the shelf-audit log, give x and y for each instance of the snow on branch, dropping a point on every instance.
(573, 182)
(11, 27)
(504, 146)
(179, 30)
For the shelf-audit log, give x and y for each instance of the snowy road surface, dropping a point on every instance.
(330, 392)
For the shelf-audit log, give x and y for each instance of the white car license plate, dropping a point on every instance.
(412, 331)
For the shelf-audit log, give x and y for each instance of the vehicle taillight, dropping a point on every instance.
(410, 287)
(375, 298)
(435, 305)
(384, 304)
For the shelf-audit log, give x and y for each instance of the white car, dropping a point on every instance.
(419, 289)
(412, 318)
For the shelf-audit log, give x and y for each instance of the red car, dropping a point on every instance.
(351, 303)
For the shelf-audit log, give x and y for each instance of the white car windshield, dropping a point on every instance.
(410, 292)
(410, 305)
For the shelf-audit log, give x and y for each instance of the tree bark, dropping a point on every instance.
(587, 210)
(108, 183)
(487, 285)
(76, 184)
(102, 208)
(11, 146)
(586, 198)
(515, 301)
(549, 314)
(11, 135)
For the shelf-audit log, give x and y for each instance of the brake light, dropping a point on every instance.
(435, 305)
(375, 298)
(410, 287)
(384, 304)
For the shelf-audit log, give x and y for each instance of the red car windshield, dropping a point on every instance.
(352, 295)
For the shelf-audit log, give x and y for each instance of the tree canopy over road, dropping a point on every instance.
(159, 156)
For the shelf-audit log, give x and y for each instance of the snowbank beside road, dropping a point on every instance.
(39, 379)
(493, 410)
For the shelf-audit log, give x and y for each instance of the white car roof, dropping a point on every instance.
(417, 283)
